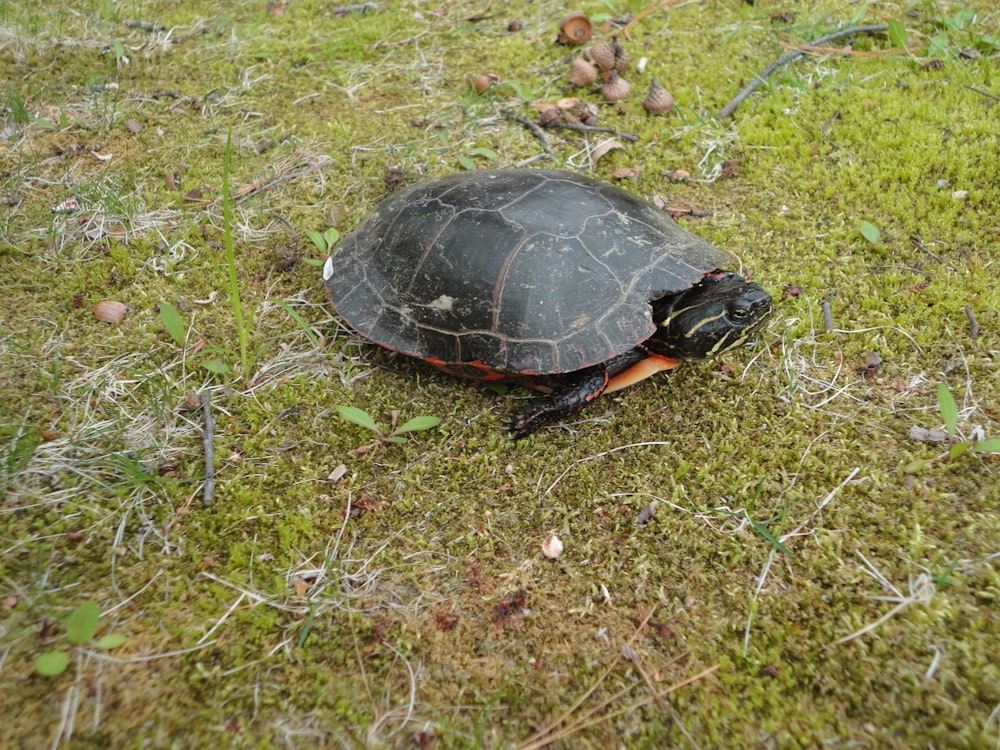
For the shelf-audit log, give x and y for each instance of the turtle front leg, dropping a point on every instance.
(579, 390)
(584, 386)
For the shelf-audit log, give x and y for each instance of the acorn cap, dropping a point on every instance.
(658, 100)
(575, 29)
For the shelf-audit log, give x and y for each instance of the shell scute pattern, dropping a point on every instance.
(522, 270)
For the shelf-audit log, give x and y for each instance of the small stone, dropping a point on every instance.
(552, 547)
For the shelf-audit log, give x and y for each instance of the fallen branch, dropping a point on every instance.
(794, 55)
(207, 439)
(534, 127)
(973, 323)
(344, 10)
(579, 126)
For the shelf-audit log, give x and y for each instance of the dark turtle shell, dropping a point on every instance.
(513, 272)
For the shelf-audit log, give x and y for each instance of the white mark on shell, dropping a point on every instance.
(444, 303)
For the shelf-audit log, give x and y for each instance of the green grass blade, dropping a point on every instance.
(227, 239)
(298, 319)
(775, 542)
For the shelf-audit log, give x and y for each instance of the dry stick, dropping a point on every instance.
(785, 59)
(537, 744)
(661, 700)
(207, 438)
(146, 25)
(535, 129)
(987, 94)
(827, 315)
(626, 30)
(344, 10)
(552, 725)
(973, 323)
(579, 126)
(257, 187)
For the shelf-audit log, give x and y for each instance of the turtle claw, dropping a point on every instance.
(522, 425)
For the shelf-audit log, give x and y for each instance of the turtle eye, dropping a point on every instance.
(739, 311)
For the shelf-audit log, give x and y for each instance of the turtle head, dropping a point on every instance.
(721, 312)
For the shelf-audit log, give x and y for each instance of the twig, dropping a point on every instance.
(145, 25)
(987, 94)
(535, 129)
(973, 323)
(344, 10)
(795, 55)
(579, 126)
(627, 28)
(661, 700)
(207, 439)
(827, 315)
(676, 211)
(257, 187)
(547, 730)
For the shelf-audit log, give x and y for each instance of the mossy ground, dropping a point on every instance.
(409, 625)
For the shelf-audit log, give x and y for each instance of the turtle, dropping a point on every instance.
(550, 278)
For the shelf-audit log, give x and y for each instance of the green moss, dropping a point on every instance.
(107, 503)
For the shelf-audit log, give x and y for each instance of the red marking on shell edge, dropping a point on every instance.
(480, 370)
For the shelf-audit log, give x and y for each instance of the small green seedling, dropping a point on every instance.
(468, 163)
(174, 325)
(897, 34)
(959, 445)
(870, 232)
(949, 415)
(395, 433)
(326, 241)
(81, 627)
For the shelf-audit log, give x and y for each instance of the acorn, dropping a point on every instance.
(549, 117)
(482, 82)
(110, 311)
(622, 57)
(581, 72)
(603, 56)
(615, 88)
(576, 30)
(658, 101)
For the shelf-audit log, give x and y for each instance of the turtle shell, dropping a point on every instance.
(513, 272)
